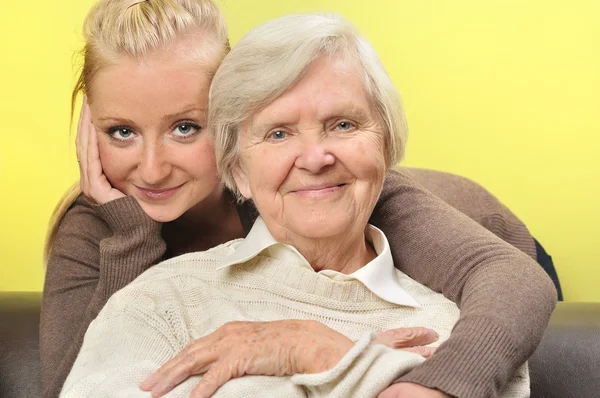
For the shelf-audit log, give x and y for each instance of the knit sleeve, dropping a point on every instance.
(365, 371)
(98, 250)
(478, 203)
(505, 298)
(123, 346)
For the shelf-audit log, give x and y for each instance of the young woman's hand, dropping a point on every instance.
(411, 390)
(278, 348)
(92, 180)
(409, 339)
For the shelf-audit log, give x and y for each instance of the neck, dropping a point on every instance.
(346, 253)
(211, 211)
(209, 223)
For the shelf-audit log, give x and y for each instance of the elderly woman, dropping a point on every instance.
(306, 124)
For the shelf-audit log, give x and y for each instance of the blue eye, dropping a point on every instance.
(344, 126)
(184, 130)
(121, 133)
(278, 135)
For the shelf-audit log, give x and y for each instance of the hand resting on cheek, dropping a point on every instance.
(92, 180)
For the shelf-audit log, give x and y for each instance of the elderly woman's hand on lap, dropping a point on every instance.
(277, 348)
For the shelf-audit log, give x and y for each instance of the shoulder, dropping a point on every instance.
(166, 289)
(186, 270)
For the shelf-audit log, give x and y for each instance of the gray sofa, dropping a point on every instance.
(566, 364)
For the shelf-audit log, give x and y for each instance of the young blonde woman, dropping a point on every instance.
(150, 191)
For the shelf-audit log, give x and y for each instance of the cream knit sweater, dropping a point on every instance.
(176, 302)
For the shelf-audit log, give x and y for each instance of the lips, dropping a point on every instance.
(158, 194)
(318, 190)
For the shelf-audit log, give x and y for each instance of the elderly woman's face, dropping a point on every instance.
(313, 160)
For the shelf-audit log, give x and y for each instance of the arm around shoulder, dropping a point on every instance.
(504, 296)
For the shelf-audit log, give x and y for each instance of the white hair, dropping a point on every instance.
(269, 59)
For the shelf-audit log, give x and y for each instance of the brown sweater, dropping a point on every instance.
(504, 296)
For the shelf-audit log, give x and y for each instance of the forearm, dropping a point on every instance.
(504, 296)
(491, 340)
(135, 246)
(473, 362)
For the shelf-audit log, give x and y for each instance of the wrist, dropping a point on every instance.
(125, 215)
(315, 348)
(328, 355)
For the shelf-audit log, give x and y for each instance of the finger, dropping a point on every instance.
(189, 358)
(212, 381)
(390, 392)
(79, 121)
(93, 154)
(83, 134)
(191, 364)
(173, 369)
(406, 337)
(424, 351)
(97, 182)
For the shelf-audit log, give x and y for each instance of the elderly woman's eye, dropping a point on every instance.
(344, 126)
(278, 135)
(185, 130)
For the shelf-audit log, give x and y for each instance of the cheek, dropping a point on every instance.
(364, 157)
(199, 160)
(269, 167)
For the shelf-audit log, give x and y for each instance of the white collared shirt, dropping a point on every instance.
(379, 275)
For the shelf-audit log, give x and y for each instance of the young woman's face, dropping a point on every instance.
(150, 116)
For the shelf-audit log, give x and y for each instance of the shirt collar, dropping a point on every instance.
(379, 275)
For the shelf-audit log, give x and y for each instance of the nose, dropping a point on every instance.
(154, 167)
(314, 156)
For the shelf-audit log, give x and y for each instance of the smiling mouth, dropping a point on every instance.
(319, 190)
(158, 194)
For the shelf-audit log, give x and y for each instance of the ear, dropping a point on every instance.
(241, 181)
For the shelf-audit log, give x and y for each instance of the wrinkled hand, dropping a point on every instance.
(410, 390)
(277, 348)
(92, 180)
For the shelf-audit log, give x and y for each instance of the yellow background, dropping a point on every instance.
(504, 92)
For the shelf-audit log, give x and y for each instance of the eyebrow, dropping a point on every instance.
(350, 110)
(185, 112)
(347, 110)
(165, 117)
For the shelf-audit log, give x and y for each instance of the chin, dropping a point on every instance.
(323, 226)
(162, 215)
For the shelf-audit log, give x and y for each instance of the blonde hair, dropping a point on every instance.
(275, 55)
(117, 28)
